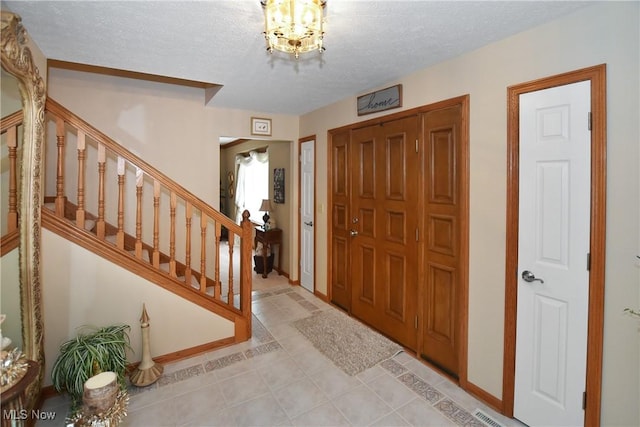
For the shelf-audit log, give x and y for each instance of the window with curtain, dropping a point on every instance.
(252, 184)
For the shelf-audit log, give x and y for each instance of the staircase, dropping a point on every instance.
(142, 220)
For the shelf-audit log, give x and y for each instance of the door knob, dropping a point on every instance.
(530, 277)
(310, 223)
(354, 233)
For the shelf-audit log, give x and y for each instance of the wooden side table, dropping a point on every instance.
(14, 411)
(269, 238)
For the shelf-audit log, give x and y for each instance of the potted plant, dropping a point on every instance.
(93, 351)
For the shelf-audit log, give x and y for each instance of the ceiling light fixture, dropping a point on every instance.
(294, 26)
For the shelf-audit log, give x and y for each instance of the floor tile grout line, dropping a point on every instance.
(272, 344)
(443, 395)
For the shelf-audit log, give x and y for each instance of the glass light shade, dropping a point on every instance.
(293, 26)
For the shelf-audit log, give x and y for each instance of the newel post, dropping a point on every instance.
(245, 270)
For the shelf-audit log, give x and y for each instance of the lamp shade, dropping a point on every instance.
(265, 206)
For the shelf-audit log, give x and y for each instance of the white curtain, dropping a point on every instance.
(252, 184)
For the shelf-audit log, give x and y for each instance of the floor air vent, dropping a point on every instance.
(486, 419)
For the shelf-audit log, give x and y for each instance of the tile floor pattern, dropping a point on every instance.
(279, 379)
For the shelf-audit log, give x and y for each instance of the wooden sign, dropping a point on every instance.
(380, 100)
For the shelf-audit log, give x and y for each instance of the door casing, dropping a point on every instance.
(597, 76)
(338, 231)
(300, 142)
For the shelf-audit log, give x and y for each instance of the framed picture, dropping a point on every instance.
(260, 126)
(380, 100)
(278, 185)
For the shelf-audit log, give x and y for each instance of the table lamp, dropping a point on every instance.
(265, 207)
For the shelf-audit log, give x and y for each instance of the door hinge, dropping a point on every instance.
(416, 322)
(589, 119)
(589, 262)
(417, 235)
(584, 400)
(416, 145)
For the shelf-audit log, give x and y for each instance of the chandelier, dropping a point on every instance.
(293, 26)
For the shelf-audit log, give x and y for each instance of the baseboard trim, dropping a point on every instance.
(193, 351)
(323, 297)
(485, 396)
(50, 391)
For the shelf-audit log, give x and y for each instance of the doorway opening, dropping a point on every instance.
(276, 181)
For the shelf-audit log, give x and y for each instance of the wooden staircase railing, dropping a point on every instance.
(112, 202)
(11, 125)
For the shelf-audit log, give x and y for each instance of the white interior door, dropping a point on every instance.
(307, 209)
(553, 246)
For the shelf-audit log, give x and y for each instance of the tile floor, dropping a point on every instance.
(279, 379)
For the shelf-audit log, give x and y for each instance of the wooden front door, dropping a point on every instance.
(399, 234)
(340, 217)
(383, 227)
(442, 207)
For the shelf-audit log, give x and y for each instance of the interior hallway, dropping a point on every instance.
(279, 379)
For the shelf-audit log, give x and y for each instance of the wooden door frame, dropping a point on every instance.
(597, 76)
(300, 142)
(464, 163)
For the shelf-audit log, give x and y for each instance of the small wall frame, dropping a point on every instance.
(260, 126)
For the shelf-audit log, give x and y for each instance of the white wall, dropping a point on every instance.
(605, 33)
(81, 288)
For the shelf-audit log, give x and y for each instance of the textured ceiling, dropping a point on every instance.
(369, 43)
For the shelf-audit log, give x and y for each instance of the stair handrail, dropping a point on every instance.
(244, 231)
(58, 110)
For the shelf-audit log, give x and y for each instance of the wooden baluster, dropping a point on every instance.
(102, 160)
(60, 136)
(217, 286)
(231, 244)
(172, 236)
(203, 252)
(139, 181)
(187, 270)
(120, 233)
(80, 212)
(12, 144)
(156, 224)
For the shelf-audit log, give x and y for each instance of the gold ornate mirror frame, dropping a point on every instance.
(18, 61)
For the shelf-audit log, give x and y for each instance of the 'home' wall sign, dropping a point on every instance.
(380, 100)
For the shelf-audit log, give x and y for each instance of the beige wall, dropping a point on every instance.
(279, 157)
(170, 128)
(607, 33)
(10, 298)
(81, 288)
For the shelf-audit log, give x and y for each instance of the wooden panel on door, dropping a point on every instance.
(384, 252)
(440, 342)
(341, 221)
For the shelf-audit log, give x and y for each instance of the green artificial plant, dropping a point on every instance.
(93, 351)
